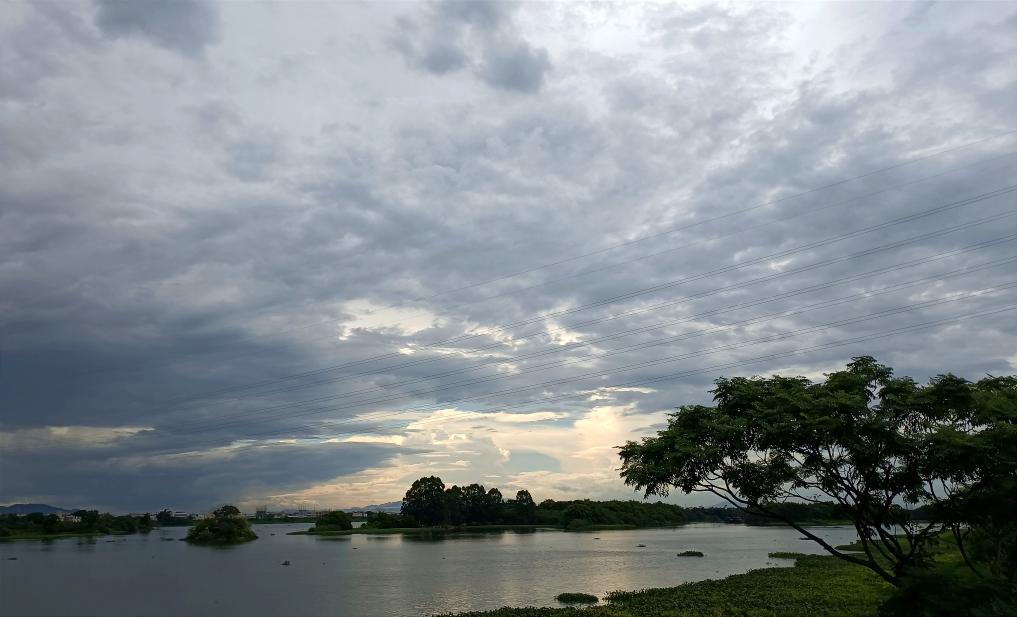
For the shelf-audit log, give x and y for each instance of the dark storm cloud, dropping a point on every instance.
(186, 26)
(165, 267)
(127, 475)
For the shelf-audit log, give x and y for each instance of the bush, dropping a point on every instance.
(227, 526)
(691, 554)
(949, 594)
(333, 521)
(576, 598)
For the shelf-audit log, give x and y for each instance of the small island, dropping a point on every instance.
(226, 526)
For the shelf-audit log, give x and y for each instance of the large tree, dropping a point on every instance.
(425, 501)
(874, 443)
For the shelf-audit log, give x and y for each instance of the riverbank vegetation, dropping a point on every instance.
(79, 523)
(226, 526)
(817, 586)
(576, 598)
(333, 521)
(429, 503)
(877, 446)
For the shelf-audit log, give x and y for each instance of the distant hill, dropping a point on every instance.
(28, 508)
(392, 506)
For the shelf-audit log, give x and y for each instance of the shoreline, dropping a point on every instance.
(816, 585)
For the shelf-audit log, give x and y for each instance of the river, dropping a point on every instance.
(369, 575)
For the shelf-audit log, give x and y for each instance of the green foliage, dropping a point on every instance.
(226, 526)
(333, 521)
(428, 503)
(949, 593)
(522, 509)
(584, 514)
(425, 501)
(384, 520)
(165, 518)
(576, 598)
(818, 586)
(864, 439)
(783, 555)
(90, 522)
(691, 554)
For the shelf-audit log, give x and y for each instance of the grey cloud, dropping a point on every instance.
(453, 35)
(515, 66)
(185, 26)
(487, 15)
(217, 246)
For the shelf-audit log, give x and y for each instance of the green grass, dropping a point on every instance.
(576, 598)
(818, 586)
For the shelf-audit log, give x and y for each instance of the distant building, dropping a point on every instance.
(70, 518)
(261, 513)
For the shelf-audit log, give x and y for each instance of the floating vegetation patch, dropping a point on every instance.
(691, 554)
(576, 598)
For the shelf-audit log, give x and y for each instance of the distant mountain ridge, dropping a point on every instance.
(28, 508)
(392, 506)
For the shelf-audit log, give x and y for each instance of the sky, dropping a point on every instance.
(301, 254)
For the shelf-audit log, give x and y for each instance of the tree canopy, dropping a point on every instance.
(225, 526)
(872, 443)
(336, 520)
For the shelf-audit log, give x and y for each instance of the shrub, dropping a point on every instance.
(226, 526)
(576, 598)
(333, 521)
(691, 554)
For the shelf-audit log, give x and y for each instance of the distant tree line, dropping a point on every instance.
(83, 522)
(429, 503)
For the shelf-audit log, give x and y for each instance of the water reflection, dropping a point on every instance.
(368, 575)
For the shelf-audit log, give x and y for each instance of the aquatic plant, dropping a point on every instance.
(576, 598)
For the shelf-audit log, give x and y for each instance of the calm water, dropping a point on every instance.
(369, 575)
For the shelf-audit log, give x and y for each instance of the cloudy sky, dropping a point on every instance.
(301, 254)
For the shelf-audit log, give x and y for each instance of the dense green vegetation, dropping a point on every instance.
(385, 520)
(165, 518)
(428, 503)
(333, 521)
(84, 522)
(691, 554)
(818, 586)
(863, 439)
(226, 526)
(586, 514)
(576, 598)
